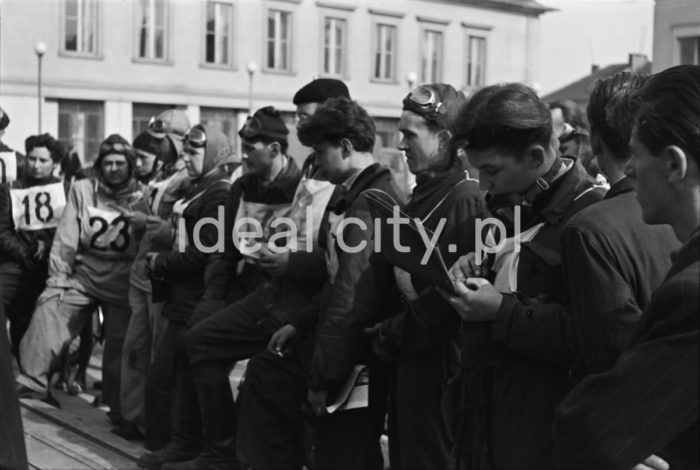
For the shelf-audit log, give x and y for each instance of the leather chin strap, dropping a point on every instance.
(542, 183)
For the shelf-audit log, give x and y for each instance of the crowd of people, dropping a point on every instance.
(551, 320)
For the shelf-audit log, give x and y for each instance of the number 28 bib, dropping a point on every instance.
(108, 232)
(38, 207)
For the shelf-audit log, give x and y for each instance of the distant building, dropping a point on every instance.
(580, 90)
(676, 33)
(111, 65)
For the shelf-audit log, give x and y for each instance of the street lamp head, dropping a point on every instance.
(411, 78)
(40, 49)
(252, 67)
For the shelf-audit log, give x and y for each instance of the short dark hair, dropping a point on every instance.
(337, 119)
(509, 116)
(609, 113)
(4, 120)
(55, 148)
(668, 111)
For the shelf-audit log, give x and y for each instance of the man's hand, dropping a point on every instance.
(652, 462)
(151, 258)
(466, 267)
(137, 219)
(477, 299)
(274, 263)
(380, 345)
(50, 292)
(279, 342)
(317, 402)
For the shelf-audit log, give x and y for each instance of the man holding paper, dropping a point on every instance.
(521, 373)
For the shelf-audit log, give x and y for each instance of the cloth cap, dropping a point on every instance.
(320, 90)
(265, 123)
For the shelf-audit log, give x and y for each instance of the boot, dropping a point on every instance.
(170, 453)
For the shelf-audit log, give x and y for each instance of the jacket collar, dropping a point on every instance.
(433, 186)
(363, 180)
(687, 254)
(554, 204)
(625, 185)
(286, 182)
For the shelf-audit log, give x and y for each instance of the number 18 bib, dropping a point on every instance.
(38, 207)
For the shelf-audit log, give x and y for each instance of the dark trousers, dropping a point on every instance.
(160, 383)
(213, 346)
(13, 454)
(19, 294)
(418, 437)
(274, 431)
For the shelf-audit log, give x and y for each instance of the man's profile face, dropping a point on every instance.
(256, 156)
(647, 172)
(501, 173)
(305, 111)
(115, 168)
(420, 144)
(330, 159)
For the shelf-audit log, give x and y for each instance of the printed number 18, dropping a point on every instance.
(40, 203)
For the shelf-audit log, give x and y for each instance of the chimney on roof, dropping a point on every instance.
(595, 68)
(637, 61)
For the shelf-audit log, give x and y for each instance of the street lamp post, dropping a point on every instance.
(40, 50)
(411, 78)
(252, 68)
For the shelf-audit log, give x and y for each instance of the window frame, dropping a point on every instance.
(479, 32)
(63, 51)
(291, 28)
(336, 15)
(385, 19)
(231, 39)
(685, 32)
(167, 28)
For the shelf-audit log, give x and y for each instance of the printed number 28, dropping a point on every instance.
(121, 243)
(41, 201)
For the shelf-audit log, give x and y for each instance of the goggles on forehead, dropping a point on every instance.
(196, 137)
(251, 128)
(113, 147)
(156, 125)
(424, 101)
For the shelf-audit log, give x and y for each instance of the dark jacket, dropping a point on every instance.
(356, 298)
(17, 248)
(428, 321)
(183, 271)
(613, 262)
(221, 272)
(648, 403)
(532, 337)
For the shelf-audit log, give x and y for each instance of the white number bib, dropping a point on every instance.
(8, 167)
(265, 214)
(38, 207)
(108, 231)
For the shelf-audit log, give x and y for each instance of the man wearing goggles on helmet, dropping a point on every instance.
(443, 194)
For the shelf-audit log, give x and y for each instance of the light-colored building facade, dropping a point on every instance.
(676, 33)
(110, 65)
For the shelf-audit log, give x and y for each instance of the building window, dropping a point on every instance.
(334, 46)
(279, 38)
(218, 40)
(431, 60)
(141, 114)
(81, 125)
(689, 50)
(80, 27)
(152, 29)
(385, 52)
(222, 119)
(476, 61)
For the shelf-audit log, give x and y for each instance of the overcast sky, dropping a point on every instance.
(584, 32)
